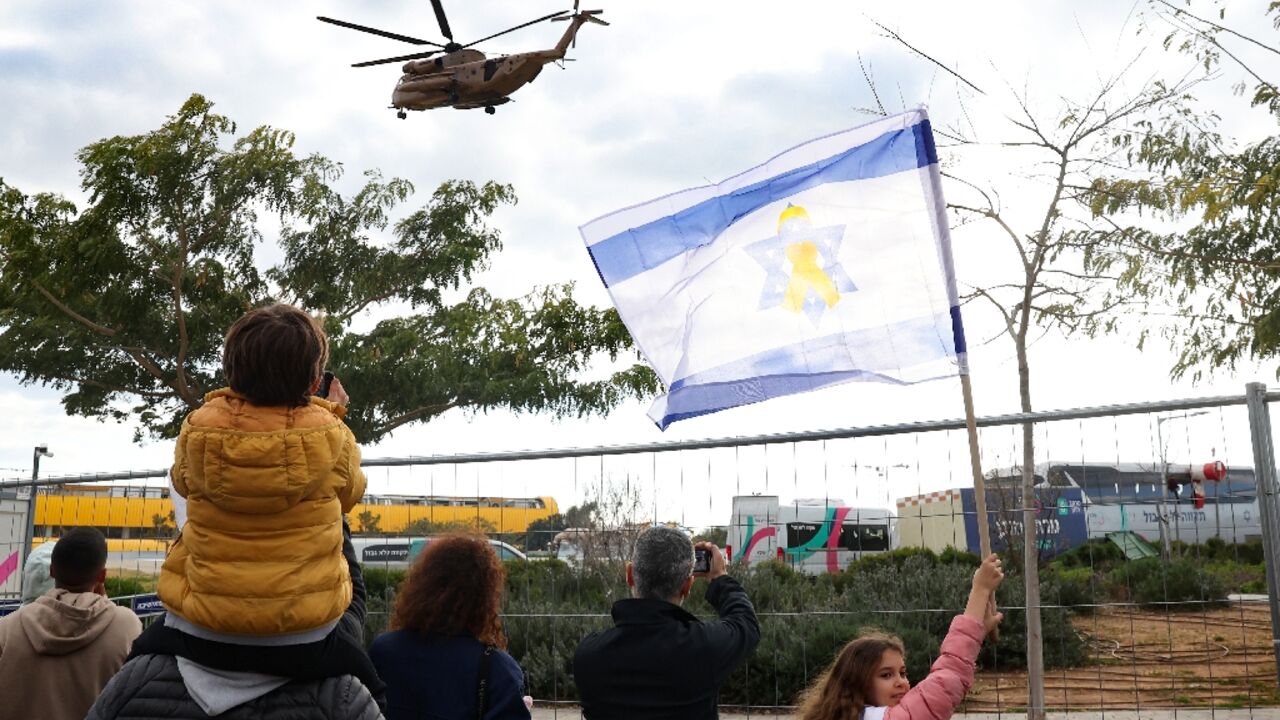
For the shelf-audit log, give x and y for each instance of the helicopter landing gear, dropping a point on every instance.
(402, 114)
(489, 109)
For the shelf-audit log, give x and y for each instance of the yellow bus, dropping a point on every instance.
(129, 512)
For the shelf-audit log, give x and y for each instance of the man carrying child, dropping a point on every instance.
(256, 583)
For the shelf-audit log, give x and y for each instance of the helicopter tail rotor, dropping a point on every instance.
(585, 15)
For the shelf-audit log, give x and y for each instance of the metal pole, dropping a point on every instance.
(1264, 469)
(1162, 509)
(31, 512)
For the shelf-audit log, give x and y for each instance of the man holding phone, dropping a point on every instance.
(659, 661)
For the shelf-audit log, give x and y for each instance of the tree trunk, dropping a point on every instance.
(1030, 550)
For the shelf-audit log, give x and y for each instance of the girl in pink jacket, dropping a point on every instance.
(868, 679)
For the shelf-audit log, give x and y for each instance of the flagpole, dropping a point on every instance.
(975, 464)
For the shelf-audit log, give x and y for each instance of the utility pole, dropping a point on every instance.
(1264, 471)
(39, 452)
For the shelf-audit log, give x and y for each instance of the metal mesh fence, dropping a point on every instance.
(1152, 547)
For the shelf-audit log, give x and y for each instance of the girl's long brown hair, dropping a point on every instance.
(841, 691)
(454, 587)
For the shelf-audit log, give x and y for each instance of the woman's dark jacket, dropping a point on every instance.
(435, 677)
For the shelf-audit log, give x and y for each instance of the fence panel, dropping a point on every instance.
(1155, 593)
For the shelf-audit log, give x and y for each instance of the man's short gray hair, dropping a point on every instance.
(662, 561)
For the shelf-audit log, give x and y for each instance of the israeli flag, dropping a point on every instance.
(827, 264)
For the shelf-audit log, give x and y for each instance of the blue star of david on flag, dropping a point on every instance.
(802, 270)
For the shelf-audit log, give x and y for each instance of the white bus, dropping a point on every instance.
(813, 536)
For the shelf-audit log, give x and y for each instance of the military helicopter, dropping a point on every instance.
(462, 77)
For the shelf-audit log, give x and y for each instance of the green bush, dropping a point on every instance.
(1151, 581)
(133, 585)
(1073, 588)
(804, 619)
(1097, 553)
(382, 582)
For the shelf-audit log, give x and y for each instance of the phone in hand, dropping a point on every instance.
(323, 391)
(701, 560)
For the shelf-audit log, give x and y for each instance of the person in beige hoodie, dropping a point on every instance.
(58, 652)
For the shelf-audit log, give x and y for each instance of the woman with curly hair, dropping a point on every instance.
(445, 655)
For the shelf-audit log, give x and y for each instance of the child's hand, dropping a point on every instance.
(991, 619)
(338, 394)
(989, 574)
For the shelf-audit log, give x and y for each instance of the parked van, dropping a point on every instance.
(399, 552)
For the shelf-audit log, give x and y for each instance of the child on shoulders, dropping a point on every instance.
(263, 571)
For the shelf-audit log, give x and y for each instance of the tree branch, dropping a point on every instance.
(412, 415)
(184, 341)
(1215, 25)
(100, 329)
(106, 386)
(898, 37)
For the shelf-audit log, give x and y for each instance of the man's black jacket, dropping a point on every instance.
(659, 661)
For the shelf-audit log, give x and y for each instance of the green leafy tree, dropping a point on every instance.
(717, 535)
(369, 522)
(122, 305)
(541, 532)
(1200, 243)
(163, 525)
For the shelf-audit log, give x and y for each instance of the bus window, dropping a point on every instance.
(799, 533)
(864, 538)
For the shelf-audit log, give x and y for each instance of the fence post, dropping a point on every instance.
(1264, 471)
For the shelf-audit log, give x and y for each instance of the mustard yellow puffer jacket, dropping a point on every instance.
(266, 489)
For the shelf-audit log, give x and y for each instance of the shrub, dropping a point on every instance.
(1254, 586)
(129, 585)
(1074, 588)
(804, 620)
(1097, 553)
(1151, 581)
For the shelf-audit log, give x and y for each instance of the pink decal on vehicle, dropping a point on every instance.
(755, 538)
(8, 567)
(833, 539)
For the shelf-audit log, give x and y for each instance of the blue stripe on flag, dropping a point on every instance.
(957, 330)
(812, 364)
(696, 400)
(634, 251)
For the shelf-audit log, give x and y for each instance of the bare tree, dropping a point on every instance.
(1048, 288)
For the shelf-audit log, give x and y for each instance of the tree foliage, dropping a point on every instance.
(542, 531)
(1199, 242)
(122, 305)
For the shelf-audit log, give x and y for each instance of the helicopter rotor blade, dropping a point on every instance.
(440, 18)
(398, 58)
(375, 31)
(552, 16)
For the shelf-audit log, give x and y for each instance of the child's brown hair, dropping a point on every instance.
(841, 691)
(274, 354)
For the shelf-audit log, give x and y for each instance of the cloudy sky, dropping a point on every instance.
(671, 95)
